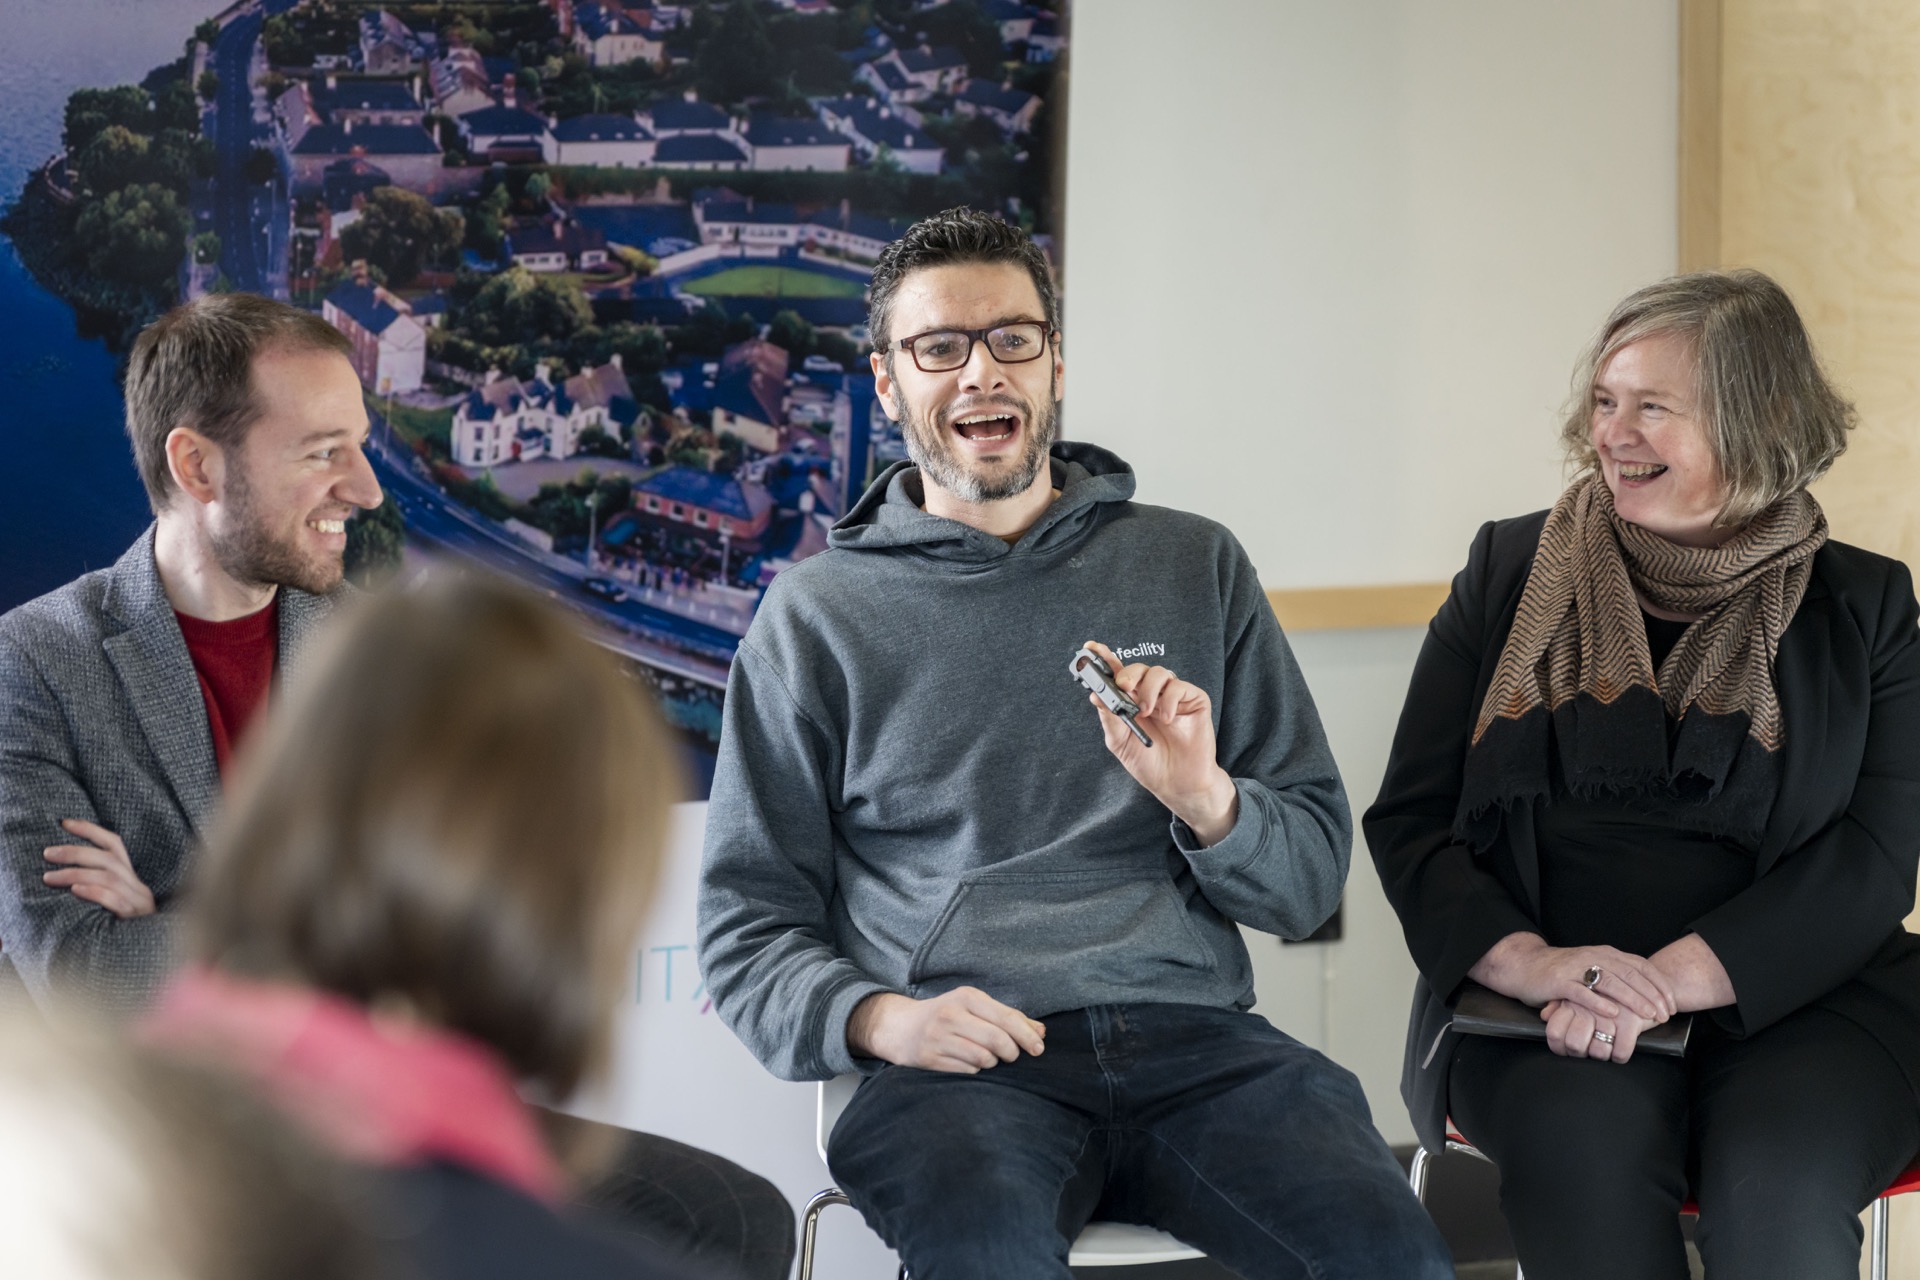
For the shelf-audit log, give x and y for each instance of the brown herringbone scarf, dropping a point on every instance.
(1577, 655)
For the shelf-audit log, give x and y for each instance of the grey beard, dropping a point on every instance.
(931, 451)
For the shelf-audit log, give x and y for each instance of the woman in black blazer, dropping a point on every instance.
(1660, 755)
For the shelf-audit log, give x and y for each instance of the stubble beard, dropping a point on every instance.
(251, 552)
(931, 449)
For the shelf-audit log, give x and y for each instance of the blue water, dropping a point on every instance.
(74, 502)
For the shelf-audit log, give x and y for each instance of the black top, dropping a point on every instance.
(1614, 875)
(1662, 635)
(1819, 919)
(1610, 875)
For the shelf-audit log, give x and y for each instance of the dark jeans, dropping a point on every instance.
(1783, 1137)
(689, 1203)
(1206, 1123)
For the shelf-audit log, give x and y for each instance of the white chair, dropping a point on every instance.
(1102, 1244)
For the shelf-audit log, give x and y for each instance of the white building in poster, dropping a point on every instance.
(796, 143)
(874, 127)
(603, 139)
(507, 420)
(389, 342)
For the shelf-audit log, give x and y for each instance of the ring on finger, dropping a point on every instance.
(1591, 978)
(1604, 1037)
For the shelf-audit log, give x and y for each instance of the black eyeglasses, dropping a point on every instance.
(944, 350)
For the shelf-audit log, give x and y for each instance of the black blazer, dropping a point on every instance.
(1822, 922)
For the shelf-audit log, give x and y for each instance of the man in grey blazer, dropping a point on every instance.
(248, 428)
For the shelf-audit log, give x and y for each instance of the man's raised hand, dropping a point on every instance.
(1181, 768)
(964, 1030)
(100, 872)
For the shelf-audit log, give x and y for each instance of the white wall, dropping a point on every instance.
(1388, 226)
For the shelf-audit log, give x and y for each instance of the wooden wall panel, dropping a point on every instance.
(1819, 185)
(1800, 155)
(1699, 134)
(1345, 608)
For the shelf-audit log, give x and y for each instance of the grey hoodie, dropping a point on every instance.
(912, 794)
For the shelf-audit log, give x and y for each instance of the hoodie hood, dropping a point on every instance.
(889, 513)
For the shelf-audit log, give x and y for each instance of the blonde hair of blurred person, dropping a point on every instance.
(119, 1165)
(459, 816)
(422, 903)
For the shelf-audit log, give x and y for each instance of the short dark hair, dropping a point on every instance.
(462, 804)
(960, 235)
(193, 367)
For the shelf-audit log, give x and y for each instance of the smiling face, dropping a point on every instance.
(1652, 442)
(300, 472)
(979, 433)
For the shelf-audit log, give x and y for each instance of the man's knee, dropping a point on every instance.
(929, 1136)
(969, 1207)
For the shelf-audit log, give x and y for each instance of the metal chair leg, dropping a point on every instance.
(1419, 1168)
(810, 1226)
(1417, 1174)
(1877, 1251)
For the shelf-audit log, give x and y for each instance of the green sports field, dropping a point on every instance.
(772, 282)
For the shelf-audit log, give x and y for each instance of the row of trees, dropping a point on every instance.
(562, 508)
(402, 234)
(516, 319)
(135, 152)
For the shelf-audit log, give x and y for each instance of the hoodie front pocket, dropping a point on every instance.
(1029, 933)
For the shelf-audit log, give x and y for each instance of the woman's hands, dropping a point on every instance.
(1605, 1019)
(1602, 1019)
(1523, 966)
(1574, 1032)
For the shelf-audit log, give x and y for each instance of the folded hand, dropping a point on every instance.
(100, 872)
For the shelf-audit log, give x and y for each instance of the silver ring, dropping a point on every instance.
(1604, 1037)
(1591, 978)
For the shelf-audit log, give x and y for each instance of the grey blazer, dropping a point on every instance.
(101, 718)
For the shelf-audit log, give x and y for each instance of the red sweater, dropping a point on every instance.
(234, 661)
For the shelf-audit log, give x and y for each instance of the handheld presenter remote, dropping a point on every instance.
(1091, 671)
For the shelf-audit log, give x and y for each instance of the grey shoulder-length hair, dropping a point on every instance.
(1774, 422)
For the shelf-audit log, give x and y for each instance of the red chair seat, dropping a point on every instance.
(1909, 1179)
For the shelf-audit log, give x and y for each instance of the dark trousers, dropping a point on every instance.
(1783, 1138)
(1206, 1123)
(684, 1202)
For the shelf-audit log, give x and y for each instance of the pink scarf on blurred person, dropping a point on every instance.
(379, 1091)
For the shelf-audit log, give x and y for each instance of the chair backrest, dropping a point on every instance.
(834, 1096)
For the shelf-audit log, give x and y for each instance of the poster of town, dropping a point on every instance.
(602, 265)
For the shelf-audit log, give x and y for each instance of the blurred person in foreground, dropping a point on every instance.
(425, 895)
(1661, 754)
(120, 1164)
(123, 693)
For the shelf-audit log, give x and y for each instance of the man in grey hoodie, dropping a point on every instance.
(922, 865)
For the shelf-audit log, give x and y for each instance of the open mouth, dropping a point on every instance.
(1641, 470)
(986, 428)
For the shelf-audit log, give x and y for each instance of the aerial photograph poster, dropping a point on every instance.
(602, 265)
